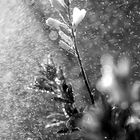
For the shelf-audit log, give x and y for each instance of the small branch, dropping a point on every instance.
(79, 59)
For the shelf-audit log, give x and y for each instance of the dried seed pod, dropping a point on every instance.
(66, 47)
(56, 24)
(67, 39)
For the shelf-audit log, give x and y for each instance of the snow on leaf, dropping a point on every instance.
(54, 124)
(54, 23)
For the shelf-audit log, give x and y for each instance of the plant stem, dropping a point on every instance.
(82, 68)
(79, 58)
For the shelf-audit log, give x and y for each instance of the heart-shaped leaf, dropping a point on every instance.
(78, 16)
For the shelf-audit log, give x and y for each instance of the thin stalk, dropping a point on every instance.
(80, 61)
(82, 68)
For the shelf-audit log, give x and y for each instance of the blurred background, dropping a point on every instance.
(110, 26)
